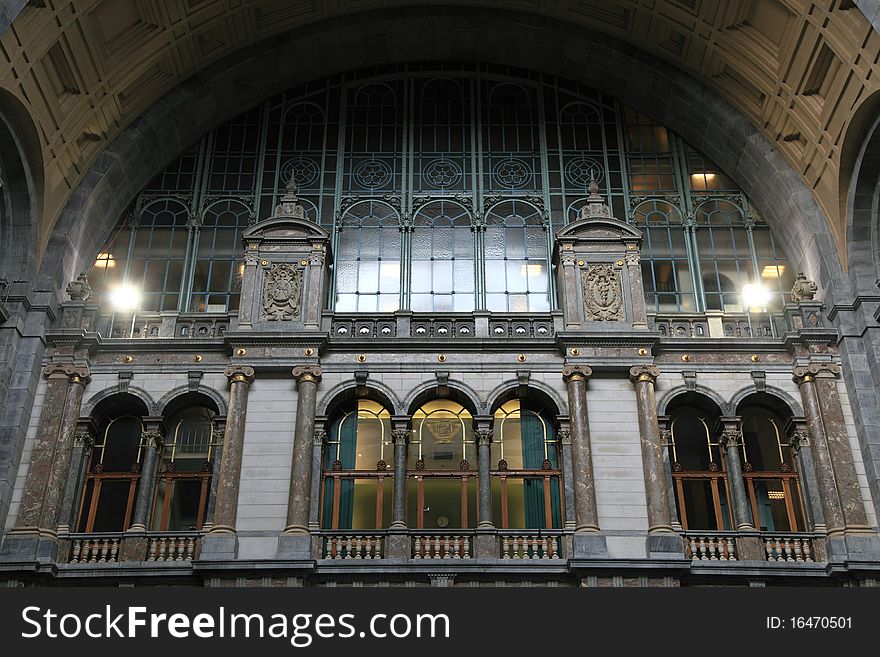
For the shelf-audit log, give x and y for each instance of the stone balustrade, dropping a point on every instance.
(446, 546)
(529, 546)
(789, 548)
(172, 548)
(716, 325)
(94, 549)
(355, 546)
(703, 546)
(110, 548)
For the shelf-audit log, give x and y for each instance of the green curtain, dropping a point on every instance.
(347, 433)
(532, 433)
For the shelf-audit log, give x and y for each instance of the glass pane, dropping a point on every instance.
(112, 504)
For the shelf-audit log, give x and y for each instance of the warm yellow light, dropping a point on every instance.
(776, 494)
(124, 298)
(773, 271)
(755, 296)
(705, 175)
(105, 260)
(531, 270)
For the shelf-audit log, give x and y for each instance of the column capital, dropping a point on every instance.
(806, 373)
(307, 373)
(799, 438)
(730, 437)
(483, 436)
(319, 438)
(239, 374)
(647, 373)
(576, 373)
(74, 373)
(400, 436)
(84, 438)
(153, 438)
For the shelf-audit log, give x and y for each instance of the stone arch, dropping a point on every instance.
(99, 400)
(21, 189)
(347, 391)
(539, 390)
(680, 391)
(665, 93)
(458, 391)
(781, 399)
(209, 395)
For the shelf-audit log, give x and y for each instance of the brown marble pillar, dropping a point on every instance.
(659, 516)
(636, 286)
(152, 442)
(220, 542)
(83, 441)
(799, 439)
(50, 458)
(730, 442)
(295, 541)
(586, 514)
(835, 470)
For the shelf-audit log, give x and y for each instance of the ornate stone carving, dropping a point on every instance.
(290, 205)
(806, 373)
(400, 436)
(576, 373)
(74, 373)
(282, 291)
(603, 296)
(483, 436)
(564, 436)
(307, 373)
(152, 438)
(595, 205)
(83, 439)
(803, 289)
(319, 437)
(730, 437)
(799, 438)
(239, 373)
(644, 373)
(79, 290)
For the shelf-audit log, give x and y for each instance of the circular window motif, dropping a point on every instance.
(579, 171)
(304, 170)
(372, 174)
(442, 173)
(511, 173)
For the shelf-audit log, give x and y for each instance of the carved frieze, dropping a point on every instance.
(803, 289)
(282, 293)
(603, 297)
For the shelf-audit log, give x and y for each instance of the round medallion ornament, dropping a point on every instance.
(372, 174)
(442, 521)
(580, 170)
(304, 171)
(511, 172)
(442, 173)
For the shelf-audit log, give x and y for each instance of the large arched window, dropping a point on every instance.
(701, 492)
(512, 150)
(442, 259)
(770, 471)
(526, 471)
(183, 483)
(112, 477)
(216, 271)
(441, 468)
(368, 266)
(358, 478)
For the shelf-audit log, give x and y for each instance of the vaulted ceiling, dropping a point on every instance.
(807, 73)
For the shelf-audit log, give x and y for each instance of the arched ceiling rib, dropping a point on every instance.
(798, 69)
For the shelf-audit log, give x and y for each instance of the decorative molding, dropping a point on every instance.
(239, 374)
(483, 436)
(74, 373)
(603, 294)
(803, 289)
(79, 290)
(282, 293)
(647, 373)
(307, 373)
(806, 373)
(576, 373)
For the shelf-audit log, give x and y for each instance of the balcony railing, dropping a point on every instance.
(789, 548)
(442, 546)
(702, 546)
(352, 546)
(161, 547)
(525, 545)
(716, 324)
(778, 547)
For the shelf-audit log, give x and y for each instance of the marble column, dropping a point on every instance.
(216, 460)
(34, 535)
(400, 435)
(799, 439)
(636, 286)
(483, 436)
(295, 541)
(730, 441)
(567, 476)
(849, 535)
(831, 503)
(588, 541)
(152, 442)
(749, 546)
(661, 538)
(221, 542)
(83, 441)
(318, 441)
